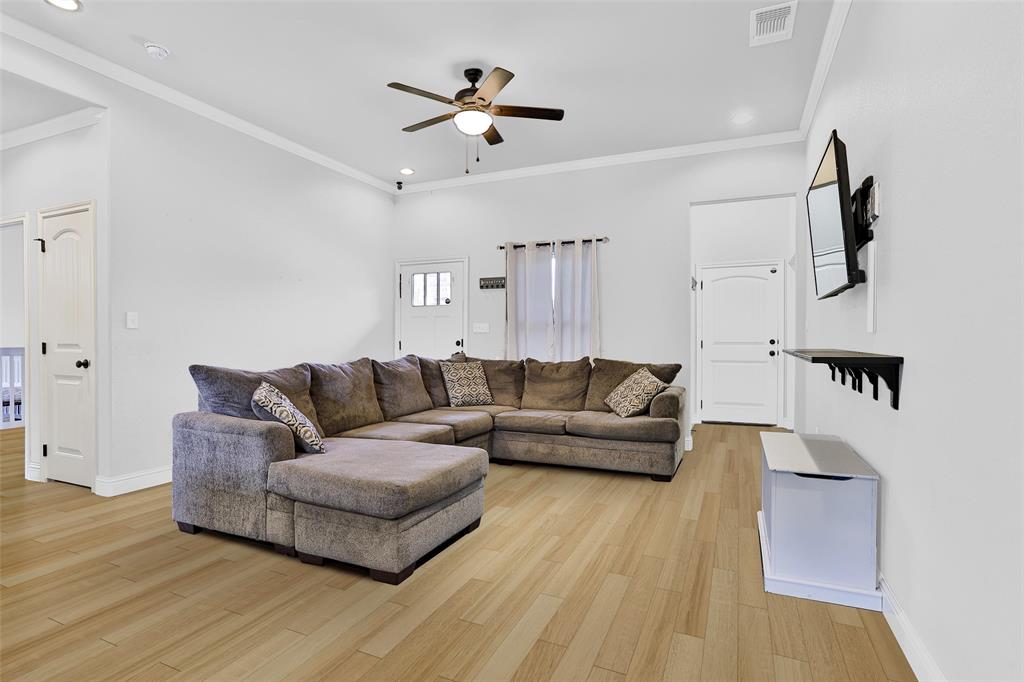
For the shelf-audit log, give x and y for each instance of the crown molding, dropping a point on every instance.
(829, 43)
(61, 48)
(58, 125)
(732, 144)
(93, 62)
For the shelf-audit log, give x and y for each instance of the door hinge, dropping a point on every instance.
(44, 347)
(702, 285)
(42, 244)
(44, 449)
(702, 404)
(702, 343)
(399, 344)
(399, 286)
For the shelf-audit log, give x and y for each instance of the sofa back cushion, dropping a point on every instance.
(556, 385)
(505, 378)
(608, 374)
(399, 387)
(229, 391)
(344, 396)
(433, 380)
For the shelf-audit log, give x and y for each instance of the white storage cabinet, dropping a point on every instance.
(819, 520)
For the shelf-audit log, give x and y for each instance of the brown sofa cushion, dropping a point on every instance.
(493, 410)
(608, 374)
(556, 385)
(344, 396)
(533, 421)
(464, 423)
(382, 480)
(505, 378)
(399, 387)
(613, 427)
(421, 433)
(229, 391)
(433, 381)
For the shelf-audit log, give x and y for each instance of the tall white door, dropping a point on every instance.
(431, 308)
(68, 328)
(740, 322)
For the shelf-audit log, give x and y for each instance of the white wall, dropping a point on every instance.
(929, 101)
(644, 209)
(232, 252)
(12, 287)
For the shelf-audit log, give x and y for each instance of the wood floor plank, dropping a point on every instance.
(792, 670)
(579, 656)
(684, 659)
(721, 641)
(503, 664)
(755, 658)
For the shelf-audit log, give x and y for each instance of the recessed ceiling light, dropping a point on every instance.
(157, 52)
(66, 5)
(407, 171)
(742, 118)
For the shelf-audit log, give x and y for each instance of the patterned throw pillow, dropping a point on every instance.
(466, 383)
(270, 404)
(634, 395)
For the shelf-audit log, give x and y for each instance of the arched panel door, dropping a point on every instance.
(741, 351)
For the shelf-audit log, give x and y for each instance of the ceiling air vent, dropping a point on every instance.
(772, 24)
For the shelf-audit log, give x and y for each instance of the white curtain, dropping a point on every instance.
(552, 308)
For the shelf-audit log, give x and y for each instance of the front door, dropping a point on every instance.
(68, 328)
(431, 308)
(740, 323)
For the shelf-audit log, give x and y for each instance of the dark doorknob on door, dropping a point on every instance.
(458, 342)
(771, 341)
(771, 353)
(82, 364)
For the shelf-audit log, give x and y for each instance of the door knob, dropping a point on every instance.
(771, 341)
(771, 353)
(82, 364)
(458, 342)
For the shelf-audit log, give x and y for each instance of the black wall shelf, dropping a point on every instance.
(858, 365)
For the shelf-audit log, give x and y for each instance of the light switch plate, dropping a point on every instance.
(481, 328)
(131, 320)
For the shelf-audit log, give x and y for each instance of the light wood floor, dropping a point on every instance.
(572, 575)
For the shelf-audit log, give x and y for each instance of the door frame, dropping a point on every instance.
(463, 289)
(784, 369)
(40, 360)
(32, 470)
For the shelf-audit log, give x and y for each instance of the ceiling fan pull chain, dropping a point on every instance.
(478, 149)
(467, 156)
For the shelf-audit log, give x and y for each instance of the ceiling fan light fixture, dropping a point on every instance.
(66, 5)
(472, 121)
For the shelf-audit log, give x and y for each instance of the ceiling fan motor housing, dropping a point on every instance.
(473, 75)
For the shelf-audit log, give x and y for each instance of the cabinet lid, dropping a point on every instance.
(802, 453)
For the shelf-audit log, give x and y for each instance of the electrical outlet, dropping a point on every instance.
(131, 320)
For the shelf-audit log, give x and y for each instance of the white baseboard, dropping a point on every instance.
(110, 486)
(688, 443)
(33, 473)
(921, 661)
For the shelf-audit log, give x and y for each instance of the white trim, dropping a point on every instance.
(58, 125)
(110, 486)
(89, 60)
(688, 443)
(829, 43)
(399, 263)
(918, 656)
(28, 422)
(698, 149)
(34, 473)
(806, 589)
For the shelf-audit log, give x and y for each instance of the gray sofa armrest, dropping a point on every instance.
(220, 470)
(670, 403)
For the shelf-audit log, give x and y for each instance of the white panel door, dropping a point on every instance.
(431, 308)
(740, 323)
(68, 328)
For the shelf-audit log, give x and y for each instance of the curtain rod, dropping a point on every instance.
(519, 245)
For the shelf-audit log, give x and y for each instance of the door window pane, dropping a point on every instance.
(445, 285)
(431, 288)
(417, 289)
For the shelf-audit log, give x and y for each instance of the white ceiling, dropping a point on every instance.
(631, 76)
(25, 102)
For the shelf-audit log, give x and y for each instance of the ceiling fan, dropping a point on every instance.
(475, 104)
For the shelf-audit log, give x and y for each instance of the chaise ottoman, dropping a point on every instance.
(379, 504)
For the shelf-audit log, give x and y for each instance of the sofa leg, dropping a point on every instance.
(311, 559)
(188, 528)
(504, 462)
(284, 549)
(662, 479)
(471, 527)
(392, 578)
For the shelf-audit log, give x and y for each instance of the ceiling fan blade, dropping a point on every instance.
(429, 122)
(497, 79)
(492, 136)
(527, 112)
(422, 93)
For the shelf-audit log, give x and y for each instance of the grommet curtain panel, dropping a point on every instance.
(552, 305)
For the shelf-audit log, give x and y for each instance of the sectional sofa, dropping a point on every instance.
(402, 470)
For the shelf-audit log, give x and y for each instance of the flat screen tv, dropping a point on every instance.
(831, 215)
